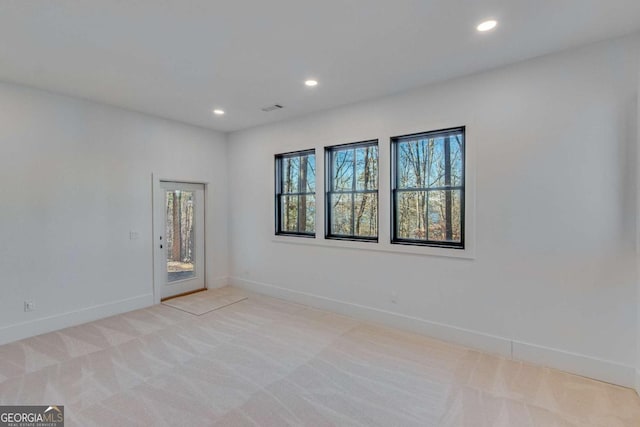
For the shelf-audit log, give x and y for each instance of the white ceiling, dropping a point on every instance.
(182, 58)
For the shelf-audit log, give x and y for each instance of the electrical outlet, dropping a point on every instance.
(394, 297)
(29, 306)
(133, 235)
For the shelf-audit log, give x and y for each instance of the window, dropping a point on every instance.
(352, 191)
(428, 188)
(296, 193)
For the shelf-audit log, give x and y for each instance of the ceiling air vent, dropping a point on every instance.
(272, 108)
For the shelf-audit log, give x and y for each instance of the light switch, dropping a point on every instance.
(133, 235)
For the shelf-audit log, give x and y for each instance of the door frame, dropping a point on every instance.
(157, 229)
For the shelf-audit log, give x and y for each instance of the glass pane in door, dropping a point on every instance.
(180, 235)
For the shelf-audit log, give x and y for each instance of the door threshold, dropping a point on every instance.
(183, 294)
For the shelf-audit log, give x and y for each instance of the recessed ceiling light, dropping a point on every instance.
(311, 83)
(487, 25)
(218, 112)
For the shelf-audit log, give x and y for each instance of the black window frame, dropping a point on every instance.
(328, 191)
(394, 190)
(279, 194)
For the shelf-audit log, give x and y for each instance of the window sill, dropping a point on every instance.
(351, 239)
(387, 247)
(296, 236)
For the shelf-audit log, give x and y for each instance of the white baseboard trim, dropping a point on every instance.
(575, 363)
(599, 369)
(72, 318)
(218, 282)
(473, 339)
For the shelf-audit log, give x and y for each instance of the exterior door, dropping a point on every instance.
(182, 241)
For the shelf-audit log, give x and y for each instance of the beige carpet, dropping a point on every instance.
(206, 301)
(266, 362)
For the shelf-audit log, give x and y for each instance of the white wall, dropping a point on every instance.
(76, 179)
(553, 279)
(638, 236)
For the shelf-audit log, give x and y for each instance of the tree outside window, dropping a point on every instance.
(428, 188)
(296, 193)
(352, 191)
